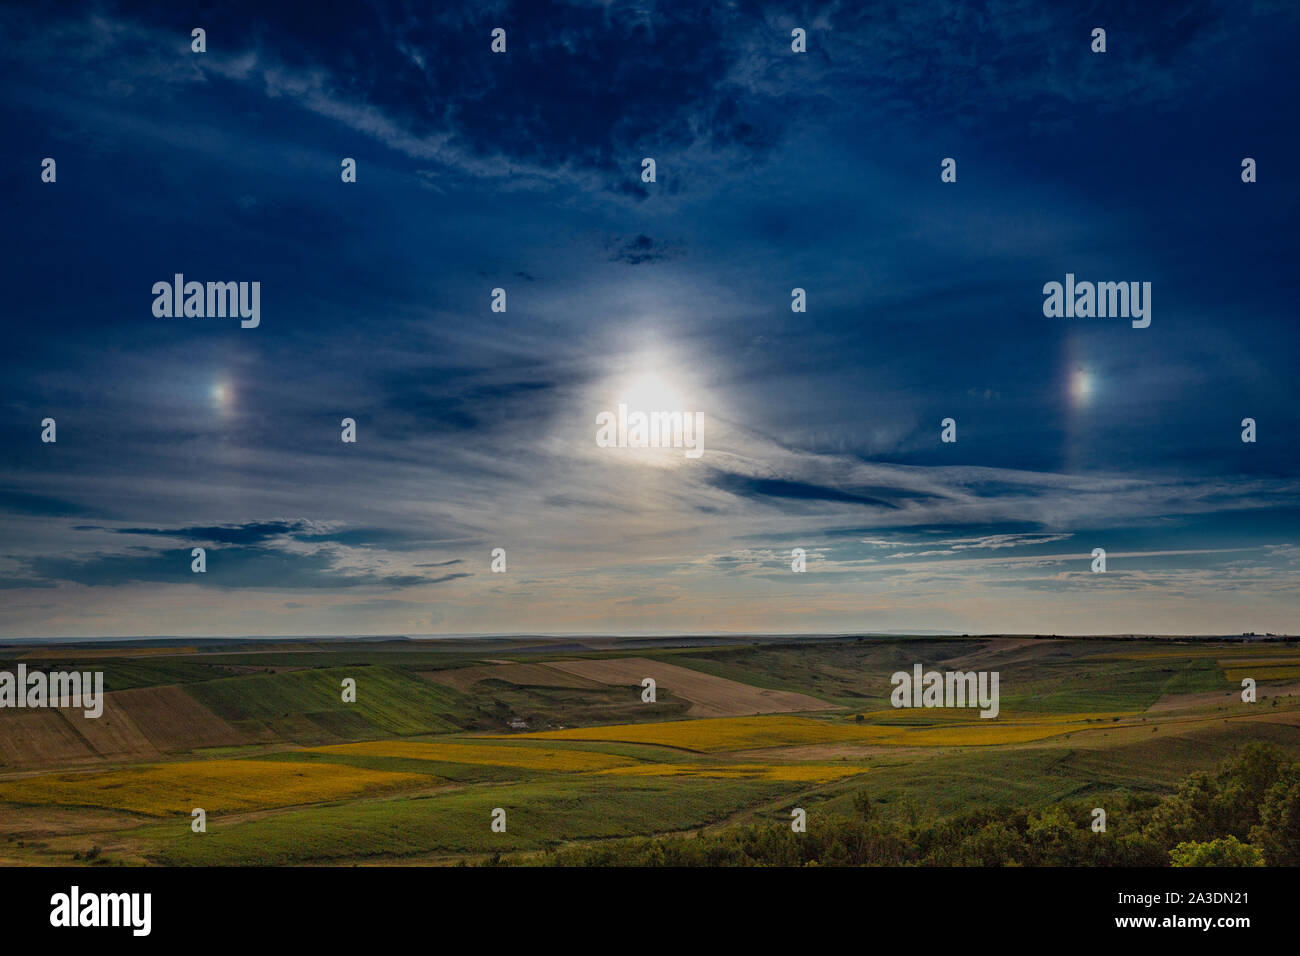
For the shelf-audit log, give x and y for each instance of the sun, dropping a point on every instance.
(649, 414)
(651, 392)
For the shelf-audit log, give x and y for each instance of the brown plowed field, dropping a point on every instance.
(709, 696)
(171, 719)
(39, 737)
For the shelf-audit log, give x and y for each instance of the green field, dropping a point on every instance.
(389, 702)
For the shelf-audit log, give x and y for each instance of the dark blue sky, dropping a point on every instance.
(776, 170)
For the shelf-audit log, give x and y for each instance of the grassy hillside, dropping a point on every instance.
(307, 705)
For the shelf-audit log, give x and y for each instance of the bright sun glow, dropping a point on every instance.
(651, 392)
(649, 415)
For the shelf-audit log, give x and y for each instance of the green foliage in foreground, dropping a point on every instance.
(1227, 851)
(1245, 813)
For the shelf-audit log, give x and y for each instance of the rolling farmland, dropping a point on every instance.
(442, 735)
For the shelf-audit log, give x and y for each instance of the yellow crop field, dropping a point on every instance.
(1266, 672)
(710, 734)
(786, 773)
(1008, 718)
(215, 785)
(1196, 653)
(580, 761)
(525, 758)
(747, 733)
(977, 735)
(1286, 660)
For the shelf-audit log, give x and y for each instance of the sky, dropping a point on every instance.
(774, 170)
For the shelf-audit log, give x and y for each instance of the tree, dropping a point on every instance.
(1225, 851)
(1278, 831)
